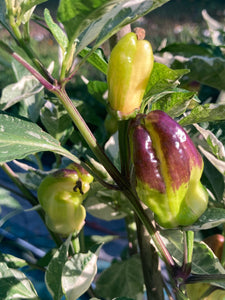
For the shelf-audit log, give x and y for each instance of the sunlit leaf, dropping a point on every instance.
(174, 103)
(98, 20)
(78, 273)
(204, 261)
(54, 271)
(57, 32)
(204, 113)
(15, 285)
(56, 121)
(12, 261)
(212, 217)
(96, 58)
(28, 138)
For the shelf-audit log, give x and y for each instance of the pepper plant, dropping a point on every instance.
(141, 147)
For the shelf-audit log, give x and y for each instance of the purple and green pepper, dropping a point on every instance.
(167, 166)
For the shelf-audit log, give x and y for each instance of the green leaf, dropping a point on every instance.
(78, 273)
(212, 217)
(106, 204)
(57, 32)
(161, 80)
(174, 103)
(26, 87)
(204, 113)
(97, 89)
(206, 70)
(12, 261)
(95, 58)
(98, 20)
(113, 16)
(204, 261)
(214, 180)
(6, 199)
(20, 137)
(122, 298)
(121, 278)
(93, 240)
(26, 9)
(217, 163)
(55, 269)
(27, 90)
(77, 16)
(15, 285)
(215, 145)
(189, 50)
(56, 121)
(2, 12)
(88, 112)
(29, 4)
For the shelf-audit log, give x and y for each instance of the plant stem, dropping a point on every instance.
(131, 234)
(124, 148)
(27, 49)
(87, 134)
(122, 182)
(150, 266)
(75, 243)
(29, 196)
(114, 173)
(188, 251)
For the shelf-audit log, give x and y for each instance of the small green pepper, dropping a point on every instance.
(167, 169)
(61, 195)
(130, 65)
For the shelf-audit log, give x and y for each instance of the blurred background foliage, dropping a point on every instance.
(176, 21)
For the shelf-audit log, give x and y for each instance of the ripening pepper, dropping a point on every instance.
(215, 242)
(167, 168)
(61, 195)
(130, 66)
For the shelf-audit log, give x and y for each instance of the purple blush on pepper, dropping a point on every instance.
(168, 169)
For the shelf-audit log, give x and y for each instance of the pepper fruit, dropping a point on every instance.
(215, 242)
(129, 68)
(61, 195)
(197, 290)
(167, 167)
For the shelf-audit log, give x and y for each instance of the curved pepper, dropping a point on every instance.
(167, 168)
(130, 65)
(61, 195)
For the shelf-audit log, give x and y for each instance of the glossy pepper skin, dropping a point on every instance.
(215, 242)
(61, 195)
(130, 65)
(167, 169)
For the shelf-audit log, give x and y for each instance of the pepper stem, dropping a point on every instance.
(188, 252)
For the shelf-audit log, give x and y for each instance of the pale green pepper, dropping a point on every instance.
(129, 69)
(61, 195)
